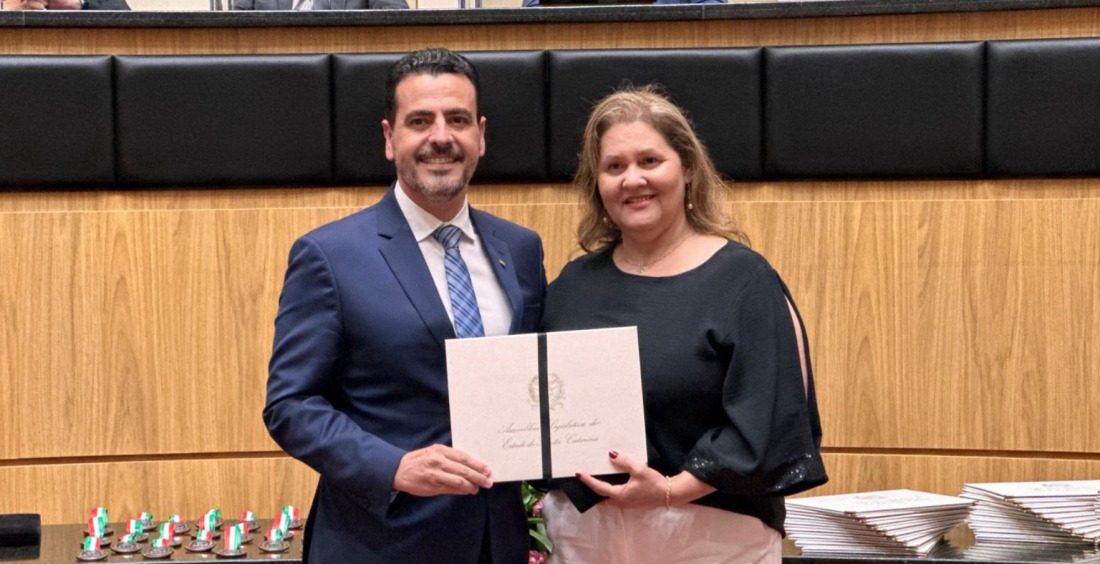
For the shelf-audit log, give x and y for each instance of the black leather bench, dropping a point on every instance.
(995, 109)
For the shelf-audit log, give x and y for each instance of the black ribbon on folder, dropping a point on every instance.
(544, 408)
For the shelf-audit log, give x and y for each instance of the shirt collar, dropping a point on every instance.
(423, 224)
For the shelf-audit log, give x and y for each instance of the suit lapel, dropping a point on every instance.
(500, 255)
(402, 253)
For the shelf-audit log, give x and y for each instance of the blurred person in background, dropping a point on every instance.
(304, 5)
(64, 4)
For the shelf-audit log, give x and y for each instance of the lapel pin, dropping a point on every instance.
(501, 261)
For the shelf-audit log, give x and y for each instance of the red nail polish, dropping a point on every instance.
(613, 454)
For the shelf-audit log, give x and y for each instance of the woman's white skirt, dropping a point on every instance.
(683, 534)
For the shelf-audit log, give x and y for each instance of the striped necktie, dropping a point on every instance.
(463, 301)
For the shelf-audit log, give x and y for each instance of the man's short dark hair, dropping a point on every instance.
(428, 61)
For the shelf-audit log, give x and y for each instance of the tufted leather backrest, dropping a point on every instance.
(874, 111)
(224, 120)
(718, 88)
(1043, 108)
(977, 109)
(57, 126)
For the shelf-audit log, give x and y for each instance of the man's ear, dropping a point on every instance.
(481, 126)
(387, 132)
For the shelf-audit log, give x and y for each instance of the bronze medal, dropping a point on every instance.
(198, 545)
(274, 546)
(158, 552)
(91, 555)
(230, 553)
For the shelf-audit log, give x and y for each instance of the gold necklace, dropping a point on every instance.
(642, 266)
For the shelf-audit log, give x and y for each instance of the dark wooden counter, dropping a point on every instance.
(61, 543)
(581, 14)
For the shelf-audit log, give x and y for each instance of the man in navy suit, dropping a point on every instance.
(357, 387)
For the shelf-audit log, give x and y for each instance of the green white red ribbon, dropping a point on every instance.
(145, 517)
(168, 530)
(163, 542)
(95, 527)
(130, 538)
(174, 518)
(283, 523)
(100, 515)
(210, 520)
(232, 538)
(292, 512)
(248, 516)
(92, 544)
(134, 527)
(204, 534)
(275, 535)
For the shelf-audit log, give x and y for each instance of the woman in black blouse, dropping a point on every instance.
(731, 416)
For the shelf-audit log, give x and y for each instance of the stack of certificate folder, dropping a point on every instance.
(887, 523)
(1050, 513)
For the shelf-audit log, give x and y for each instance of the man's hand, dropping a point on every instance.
(438, 470)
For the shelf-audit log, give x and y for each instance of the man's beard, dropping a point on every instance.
(435, 188)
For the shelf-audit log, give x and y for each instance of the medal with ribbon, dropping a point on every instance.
(273, 541)
(295, 517)
(204, 540)
(231, 542)
(91, 549)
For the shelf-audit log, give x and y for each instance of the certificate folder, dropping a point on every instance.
(547, 405)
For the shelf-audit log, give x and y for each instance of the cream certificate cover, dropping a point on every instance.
(593, 398)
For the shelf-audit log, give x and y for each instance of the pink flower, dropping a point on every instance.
(536, 557)
(536, 510)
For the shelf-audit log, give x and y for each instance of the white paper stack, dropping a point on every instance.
(1035, 512)
(889, 523)
(1031, 552)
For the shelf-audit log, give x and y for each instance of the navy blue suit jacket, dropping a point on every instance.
(358, 378)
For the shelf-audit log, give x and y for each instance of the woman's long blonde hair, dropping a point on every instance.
(703, 183)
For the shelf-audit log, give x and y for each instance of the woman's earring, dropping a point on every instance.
(690, 206)
(605, 220)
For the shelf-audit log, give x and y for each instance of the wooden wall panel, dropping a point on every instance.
(140, 323)
(141, 332)
(944, 474)
(949, 324)
(1018, 24)
(63, 493)
(930, 306)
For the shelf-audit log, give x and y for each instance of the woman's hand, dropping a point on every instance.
(646, 486)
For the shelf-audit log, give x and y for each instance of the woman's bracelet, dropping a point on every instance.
(668, 493)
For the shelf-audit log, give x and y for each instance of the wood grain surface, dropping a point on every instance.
(911, 28)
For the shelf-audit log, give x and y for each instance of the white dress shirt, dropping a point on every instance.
(496, 312)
